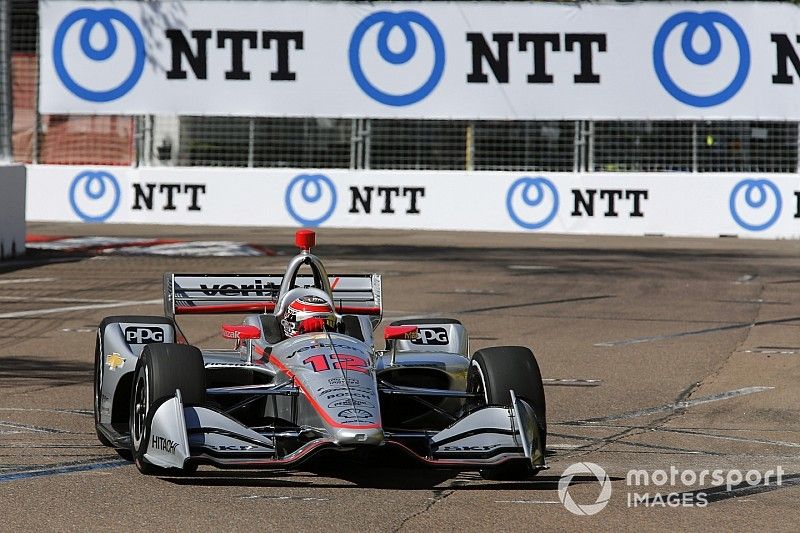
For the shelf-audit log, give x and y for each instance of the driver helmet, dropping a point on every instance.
(302, 309)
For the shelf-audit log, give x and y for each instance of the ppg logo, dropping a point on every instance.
(755, 204)
(432, 336)
(712, 67)
(111, 46)
(412, 67)
(532, 203)
(94, 195)
(311, 199)
(143, 335)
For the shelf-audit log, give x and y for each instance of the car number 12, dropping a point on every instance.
(320, 363)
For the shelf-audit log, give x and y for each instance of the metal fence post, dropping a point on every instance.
(6, 103)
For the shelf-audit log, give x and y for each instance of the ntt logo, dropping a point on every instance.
(584, 469)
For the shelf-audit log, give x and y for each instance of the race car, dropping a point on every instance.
(303, 378)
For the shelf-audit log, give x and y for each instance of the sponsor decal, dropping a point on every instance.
(584, 201)
(408, 23)
(310, 199)
(94, 195)
(432, 336)
(355, 413)
(482, 54)
(709, 22)
(115, 361)
(80, 25)
(342, 381)
(258, 288)
(144, 193)
(349, 394)
(233, 448)
(144, 334)
(357, 389)
(164, 444)
(755, 204)
(532, 203)
(351, 402)
(361, 199)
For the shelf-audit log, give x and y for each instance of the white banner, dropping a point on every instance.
(472, 60)
(611, 204)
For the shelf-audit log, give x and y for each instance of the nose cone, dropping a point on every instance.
(351, 437)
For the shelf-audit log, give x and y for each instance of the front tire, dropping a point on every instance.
(160, 371)
(98, 381)
(493, 373)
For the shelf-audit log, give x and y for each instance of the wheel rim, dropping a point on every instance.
(140, 405)
(476, 384)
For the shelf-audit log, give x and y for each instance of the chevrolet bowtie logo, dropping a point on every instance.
(114, 361)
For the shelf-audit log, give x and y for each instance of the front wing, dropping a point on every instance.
(180, 435)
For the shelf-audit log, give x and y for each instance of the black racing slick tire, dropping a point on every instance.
(160, 371)
(98, 377)
(496, 371)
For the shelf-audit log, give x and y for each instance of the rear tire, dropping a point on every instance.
(497, 371)
(162, 369)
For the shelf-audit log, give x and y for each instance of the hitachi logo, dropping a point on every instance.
(164, 444)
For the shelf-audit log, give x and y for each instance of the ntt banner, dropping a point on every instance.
(471, 60)
(610, 204)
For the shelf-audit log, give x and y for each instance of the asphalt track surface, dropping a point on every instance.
(658, 353)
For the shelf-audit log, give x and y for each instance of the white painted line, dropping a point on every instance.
(572, 382)
(474, 291)
(732, 438)
(49, 299)
(37, 312)
(530, 267)
(82, 412)
(679, 405)
(769, 352)
(722, 396)
(564, 446)
(284, 498)
(25, 280)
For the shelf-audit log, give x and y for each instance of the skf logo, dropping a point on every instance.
(432, 336)
(115, 361)
(144, 335)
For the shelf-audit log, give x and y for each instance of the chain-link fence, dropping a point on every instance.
(546, 146)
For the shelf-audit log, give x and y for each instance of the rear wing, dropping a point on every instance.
(353, 294)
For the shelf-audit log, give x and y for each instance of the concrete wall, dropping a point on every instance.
(12, 210)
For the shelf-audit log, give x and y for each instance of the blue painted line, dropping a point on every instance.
(62, 470)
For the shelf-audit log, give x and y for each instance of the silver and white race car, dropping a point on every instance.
(277, 401)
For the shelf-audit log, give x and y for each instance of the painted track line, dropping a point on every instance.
(640, 340)
(25, 280)
(531, 304)
(38, 312)
(14, 476)
(50, 299)
(727, 395)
